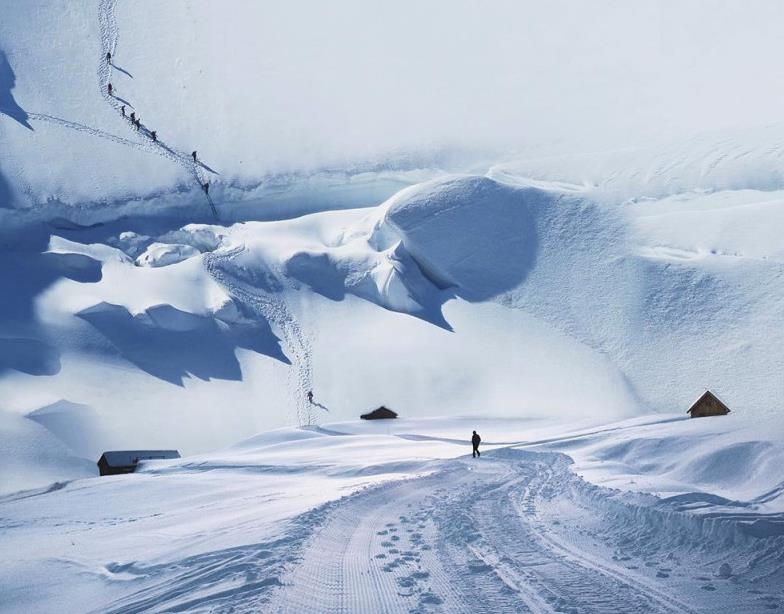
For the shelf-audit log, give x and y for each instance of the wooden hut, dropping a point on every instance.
(382, 413)
(708, 405)
(125, 461)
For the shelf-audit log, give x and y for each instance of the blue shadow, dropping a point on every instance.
(171, 344)
(9, 106)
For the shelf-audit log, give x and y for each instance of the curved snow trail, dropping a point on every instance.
(109, 36)
(477, 536)
(513, 531)
(270, 305)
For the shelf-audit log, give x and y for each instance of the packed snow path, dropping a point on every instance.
(504, 533)
(474, 537)
(262, 528)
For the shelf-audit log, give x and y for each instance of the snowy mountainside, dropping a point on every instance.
(553, 302)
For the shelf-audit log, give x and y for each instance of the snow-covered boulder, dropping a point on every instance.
(163, 254)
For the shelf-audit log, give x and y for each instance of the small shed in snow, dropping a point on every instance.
(708, 405)
(125, 461)
(382, 413)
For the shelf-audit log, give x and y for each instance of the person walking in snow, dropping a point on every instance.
(133, 117)
(137, 123)
(206, 187)
(109, 89)
(475, 439)
(108, 57)
(193, 154)
(310, 397)
(154, 136)
(122, 110)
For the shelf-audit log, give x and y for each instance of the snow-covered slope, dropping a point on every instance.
(396, 516)
(458, 294)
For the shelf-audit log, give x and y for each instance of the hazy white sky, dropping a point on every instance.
(507, 71)
(269, 86)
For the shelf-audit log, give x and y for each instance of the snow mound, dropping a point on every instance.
(33, 457)
(470, 233)
(700, 465)
(163, 254)
(75, 424)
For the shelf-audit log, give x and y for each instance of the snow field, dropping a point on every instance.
(390, 517)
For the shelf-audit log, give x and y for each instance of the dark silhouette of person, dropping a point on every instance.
(109, 89)
(133, 116)
(475, 439)
(138, 123)
(206, 187)
(154, 135)
(122, 110)
(193, 154)
(310, 396)
(108, 56)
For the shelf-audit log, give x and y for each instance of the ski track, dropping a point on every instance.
(109, 36)
(495, 534)
(513, 531)
(271, 306)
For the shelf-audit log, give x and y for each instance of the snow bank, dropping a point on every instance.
(164, 254)
(724, 463)
(34, 457)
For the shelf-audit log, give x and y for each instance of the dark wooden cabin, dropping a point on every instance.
(382, 413)
(125, 461)
(708, 405)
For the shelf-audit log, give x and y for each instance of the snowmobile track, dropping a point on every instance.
(468, 538)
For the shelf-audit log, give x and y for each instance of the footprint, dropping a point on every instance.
(662, 574)
(384, 532)
(430, 598)
(708, 587)
(381, 556)
(479, 567)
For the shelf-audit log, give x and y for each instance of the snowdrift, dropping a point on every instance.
(553, 301)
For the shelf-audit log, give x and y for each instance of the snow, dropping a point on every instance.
(398, 511)
(162, 254)
(536, 228)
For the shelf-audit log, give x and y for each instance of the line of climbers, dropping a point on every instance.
(136, 122)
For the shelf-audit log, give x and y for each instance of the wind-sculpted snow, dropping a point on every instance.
(471, 234)
(552, 301)
(370, 517)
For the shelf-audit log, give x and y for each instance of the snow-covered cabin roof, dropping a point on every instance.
(126, 458)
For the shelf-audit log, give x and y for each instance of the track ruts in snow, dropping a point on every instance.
(109, 38)
(272, 307)
(485, 535)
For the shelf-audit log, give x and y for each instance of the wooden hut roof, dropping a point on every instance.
(125, 458)
(707, 395)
